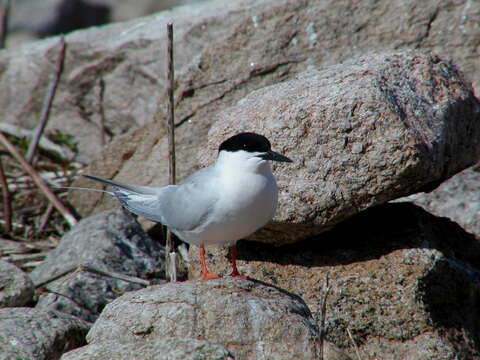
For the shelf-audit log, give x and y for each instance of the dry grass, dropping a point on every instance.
(35, 225)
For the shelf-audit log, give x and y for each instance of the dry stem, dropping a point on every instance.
(323, 315)
(7, 201)
(4, 14)
(48, 102)
(170, 259)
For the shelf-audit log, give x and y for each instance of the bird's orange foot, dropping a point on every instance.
(210, 276)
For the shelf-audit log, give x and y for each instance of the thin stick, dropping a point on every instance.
(67, 215)
(7, 200)
(45, 218)
(44, 143)
(323, 315)
(94, 270)
(170, 109)
(101, 85)
(4, 15)
(114, 275)
(48, 101)
(171, 267)
(357, 351)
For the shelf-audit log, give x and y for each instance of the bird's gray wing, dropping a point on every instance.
(181, 207)
(190, 204)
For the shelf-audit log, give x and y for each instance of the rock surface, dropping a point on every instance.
(360, 133)
(250, 319)
(41, 335)
(16, 288)
(111, 241)
(170, 348)
(403, 282)
(457, 198)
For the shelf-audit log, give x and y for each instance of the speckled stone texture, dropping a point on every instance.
(27, 333)
(169, 348)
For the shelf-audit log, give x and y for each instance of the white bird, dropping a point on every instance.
(220, 204)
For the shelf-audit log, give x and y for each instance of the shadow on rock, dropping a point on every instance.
(370, 235)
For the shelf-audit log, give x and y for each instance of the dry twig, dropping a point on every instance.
(357, 351)
(7, 202)
(48, 101)
(4, 14)
(171, 267)
(94, 270)
(323, 315)
(67, 215)
(45, 218)
(45, 143)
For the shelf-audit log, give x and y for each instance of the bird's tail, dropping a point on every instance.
(82, 188)
(140, 200)
(144, 190)
(136, 189)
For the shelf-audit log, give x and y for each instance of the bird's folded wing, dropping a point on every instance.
(181, 207)
(187, 206)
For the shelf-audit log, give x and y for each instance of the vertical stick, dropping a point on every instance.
(48, 102)
(170, 109)
(170, 267)
(101, 84)
(4, 14)
(7, 202)
(323, 309)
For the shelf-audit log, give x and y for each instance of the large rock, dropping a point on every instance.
(111, 241)
(16, 288)
(224, 50)
(41, 335)
(250, 319)
(403, 282)
(360, 133)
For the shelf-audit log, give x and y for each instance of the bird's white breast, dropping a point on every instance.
(247, 201)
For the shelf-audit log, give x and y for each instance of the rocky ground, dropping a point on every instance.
(373, 252)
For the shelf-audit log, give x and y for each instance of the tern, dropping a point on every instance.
(219, 204)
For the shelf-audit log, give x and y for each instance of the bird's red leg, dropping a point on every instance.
(233, 260)
(205, 274)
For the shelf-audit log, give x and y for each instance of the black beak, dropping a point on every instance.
(272, 155)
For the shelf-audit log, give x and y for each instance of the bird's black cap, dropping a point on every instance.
(252, 142)
(246, 141)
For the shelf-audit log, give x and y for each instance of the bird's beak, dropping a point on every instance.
(272, 155)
